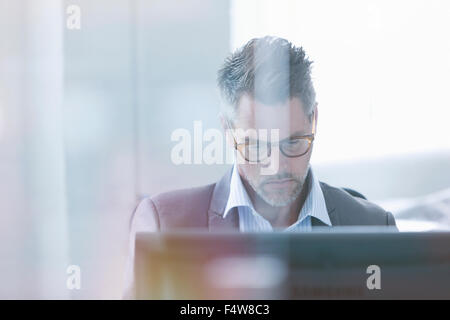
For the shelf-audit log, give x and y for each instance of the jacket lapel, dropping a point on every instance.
(331, 207)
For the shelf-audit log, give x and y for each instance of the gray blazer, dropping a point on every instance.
(203, 207)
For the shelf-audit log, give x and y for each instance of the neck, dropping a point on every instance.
(279, 217)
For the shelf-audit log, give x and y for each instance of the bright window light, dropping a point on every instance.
(381, 70)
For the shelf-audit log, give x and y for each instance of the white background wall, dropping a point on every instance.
(381, 71)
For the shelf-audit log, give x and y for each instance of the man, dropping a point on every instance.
(266, 85)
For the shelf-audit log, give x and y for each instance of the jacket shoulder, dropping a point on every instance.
(183, 208)
(352, 210)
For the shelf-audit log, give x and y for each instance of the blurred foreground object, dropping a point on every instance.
(319, 265)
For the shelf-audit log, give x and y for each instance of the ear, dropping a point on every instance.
(316, 113)
(223, 122)
(226, 129)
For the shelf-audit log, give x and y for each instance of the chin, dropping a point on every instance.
(278, 201)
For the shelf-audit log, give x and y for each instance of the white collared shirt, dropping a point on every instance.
(252, 221)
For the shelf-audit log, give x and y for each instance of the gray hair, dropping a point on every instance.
(271, 70)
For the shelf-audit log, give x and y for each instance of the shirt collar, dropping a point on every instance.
(314, 203)
(238, 195)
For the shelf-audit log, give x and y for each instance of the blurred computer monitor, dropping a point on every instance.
(345, 263)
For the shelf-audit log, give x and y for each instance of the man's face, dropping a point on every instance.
(284, 186)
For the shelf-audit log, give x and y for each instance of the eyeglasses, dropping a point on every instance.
(292, 147)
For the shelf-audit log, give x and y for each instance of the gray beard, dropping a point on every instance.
(273, 201)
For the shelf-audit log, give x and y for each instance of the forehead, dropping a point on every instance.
(289, 116)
